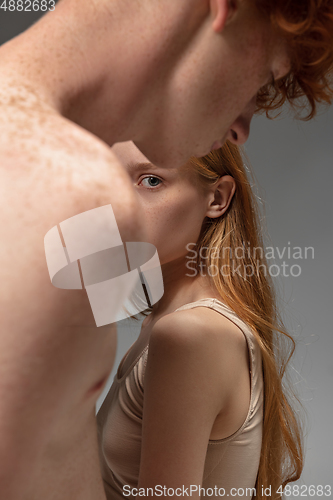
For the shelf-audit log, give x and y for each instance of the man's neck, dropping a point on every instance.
(79, 60)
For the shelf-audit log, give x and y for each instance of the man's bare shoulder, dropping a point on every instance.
(45, 155)
(33, 135)
(51, 170)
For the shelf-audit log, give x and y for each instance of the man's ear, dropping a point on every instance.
(220, 196)
(222, 11)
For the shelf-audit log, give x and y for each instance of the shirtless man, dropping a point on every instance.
(177, 78)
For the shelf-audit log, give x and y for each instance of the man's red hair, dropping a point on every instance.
(307, 26)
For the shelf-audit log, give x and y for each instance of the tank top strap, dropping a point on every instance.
(223, 309)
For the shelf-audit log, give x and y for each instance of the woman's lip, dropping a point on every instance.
(216, 145)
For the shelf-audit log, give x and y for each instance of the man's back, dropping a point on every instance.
(50, 170)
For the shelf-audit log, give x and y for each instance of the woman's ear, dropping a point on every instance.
(222, 11)
(220, 196)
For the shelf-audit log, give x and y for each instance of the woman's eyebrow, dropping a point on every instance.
(132, 166)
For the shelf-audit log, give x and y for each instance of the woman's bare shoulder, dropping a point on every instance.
(189, 380)
(202, 344)
(201, 353)
(199, 324)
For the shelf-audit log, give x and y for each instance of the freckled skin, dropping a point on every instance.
(55, 360)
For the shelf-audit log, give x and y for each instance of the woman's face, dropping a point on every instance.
(173, 201)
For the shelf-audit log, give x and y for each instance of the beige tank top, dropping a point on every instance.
(230, 463)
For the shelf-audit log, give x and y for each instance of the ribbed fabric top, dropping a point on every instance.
(231, 462)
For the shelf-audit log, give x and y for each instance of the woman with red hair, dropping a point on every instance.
(199, 400)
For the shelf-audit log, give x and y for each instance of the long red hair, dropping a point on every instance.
(251, 296)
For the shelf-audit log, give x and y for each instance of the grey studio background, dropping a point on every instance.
(292, 162)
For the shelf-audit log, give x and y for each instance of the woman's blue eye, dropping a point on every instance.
(151, 181)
